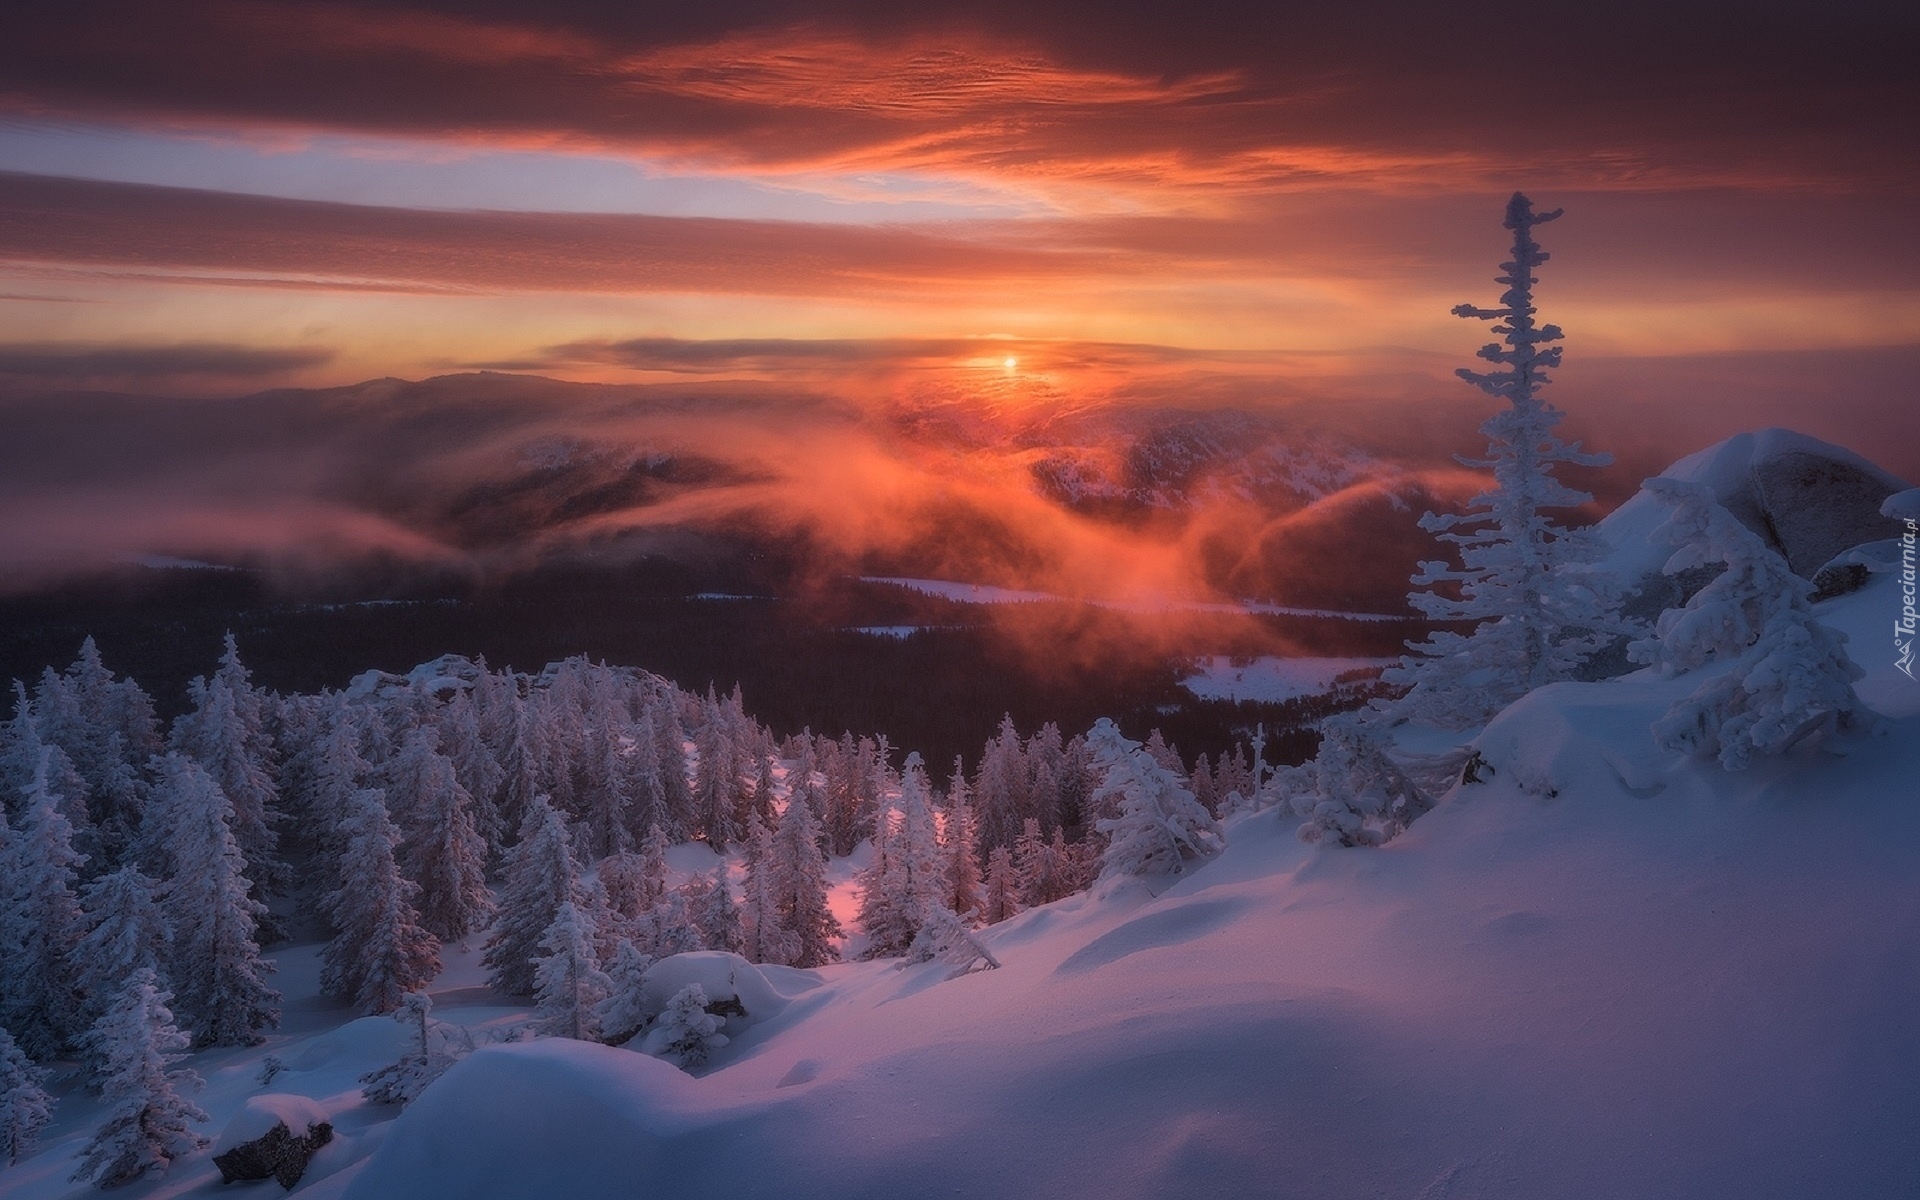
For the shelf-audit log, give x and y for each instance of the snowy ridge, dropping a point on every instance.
(1603, 971)
(1598, 967)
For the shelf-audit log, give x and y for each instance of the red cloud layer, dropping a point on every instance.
(1253, 97)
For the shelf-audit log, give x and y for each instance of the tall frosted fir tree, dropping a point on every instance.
(126, 931)
(960, 836)
(907, 877)
(226, 732)
(25, 1106)
(541, 875)
(148, 1119)
(1538, 617)
(443, 850)
(568, 983)
(216, 968)
(767, 940)
(41, 922)
(1160, 827)
(798, 879)
(380, 952)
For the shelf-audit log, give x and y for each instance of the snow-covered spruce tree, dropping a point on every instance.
(959, 846)
(226, 733)
(624, 1012)
(906, 878)
(766, 939)
(645, 792)
(1038, 868)
(1047, 770)
(670, 766)
(380, 952)
(1789, 677)
(84, 713)
(473, 764)
(518, 749)
(685, 1033)
(20, 747)
(711, 908)
(716, 784)
(541, 875)
(1000, 787)
(443, 851)
(125, 931)
(569, 985)
(1537, 616)
(1351, 793)
(620, 882)
(653, 867)
(798, 880)
(215, 968)
(761, 799)
(1002, 898)
(607, 798)
(25, 1106)
(41, 923)
(1160, 828)
(668, 929)
(148, 1118)
(332, 769)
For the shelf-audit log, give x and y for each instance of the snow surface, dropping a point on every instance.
(1269, 679)
(1606, 971)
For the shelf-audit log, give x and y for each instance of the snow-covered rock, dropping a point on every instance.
(1810, 500)
(261, 1113)
(728, 980)
(273, 1136)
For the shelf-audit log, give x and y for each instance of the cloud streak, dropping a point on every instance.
(69, 363)
(1246, 96)
(329, 245)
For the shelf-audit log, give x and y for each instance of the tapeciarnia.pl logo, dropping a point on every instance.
(1903, 629)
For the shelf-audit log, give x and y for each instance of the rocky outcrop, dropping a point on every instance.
(279, 1154)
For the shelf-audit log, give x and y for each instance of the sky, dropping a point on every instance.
(1267, 204)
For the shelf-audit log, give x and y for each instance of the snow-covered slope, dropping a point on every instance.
(1607, 971)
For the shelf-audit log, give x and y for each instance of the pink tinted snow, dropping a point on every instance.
(1605, 971)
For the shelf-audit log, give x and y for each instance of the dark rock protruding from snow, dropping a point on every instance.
(279, 1154)
(1817, 505)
